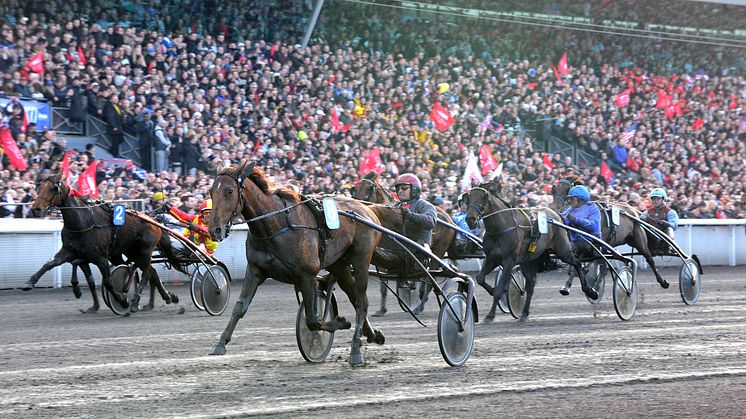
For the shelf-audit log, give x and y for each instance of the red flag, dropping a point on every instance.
(372, 162)
(548, 162)
(486, 159)
(81, 56)
(556, 74)
(336, 124)
(733, 102)
(441, 117)
(664, 100)
(11, 149)
(562, 65)
(35, 63)
(87, 181)
(532, 86)
(670, 112)
(25, 120)
(698, 123)
(258, 145)
(606, 172)
(66, 164)
(622, 99)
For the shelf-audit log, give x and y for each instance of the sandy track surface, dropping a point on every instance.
(571, 359)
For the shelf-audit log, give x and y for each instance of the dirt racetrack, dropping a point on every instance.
(570, 360)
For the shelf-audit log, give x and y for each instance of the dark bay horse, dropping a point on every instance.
(287, 243)
(370, 190)
(89, 236)
(509, 235)
(627, 232)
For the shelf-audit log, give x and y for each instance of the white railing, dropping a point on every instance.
(28, 243)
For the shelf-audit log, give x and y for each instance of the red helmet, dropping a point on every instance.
(411, 180)
(206, 205)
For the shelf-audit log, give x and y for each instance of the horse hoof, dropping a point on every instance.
(664, 284)
(379, 313)
(592, 294)
(134, 308)
(147, 307)
(523, 319)
(28, 286)
(218, 350)
(92, 309)
(343, 323)
(418, 310)
(378, 337)
(357, 360)
(174, 299)
(489, 319)
(564, 291)
(78, 293)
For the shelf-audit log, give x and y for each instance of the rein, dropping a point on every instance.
(513, 210)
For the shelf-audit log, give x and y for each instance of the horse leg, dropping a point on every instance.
(563, 250)
(63, 256)
(156, 282)
(500, 289)
(350, 287)
(86, 268)
(425, 288)
(75, 283)
(384, 292)
(641, 243)
(488, 266)
(529, 272)
(135, 303)
(565, 290)
(250, 283)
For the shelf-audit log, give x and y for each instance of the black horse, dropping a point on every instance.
(627, 232)
(511, 239)
(288, 243)
(89, 236)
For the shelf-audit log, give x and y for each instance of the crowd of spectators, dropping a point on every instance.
(205, 90)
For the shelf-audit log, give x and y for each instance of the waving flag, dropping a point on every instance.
(10, 148)
(622, 99)
(336, 124)
(486, 159)
(562, 65)
(441, 117)
(167, 42)
(471, 173)
(35, 62)
(87, 181)
(698, 123)
(664, 100)
(606, 172)
(548, 162)
(372, 162)
(629, 133)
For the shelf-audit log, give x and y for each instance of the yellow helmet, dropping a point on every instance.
(159, 196)
(206, 205)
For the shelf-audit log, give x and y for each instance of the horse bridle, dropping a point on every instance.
(560, 182)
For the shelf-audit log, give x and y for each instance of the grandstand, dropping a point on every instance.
(653, 92)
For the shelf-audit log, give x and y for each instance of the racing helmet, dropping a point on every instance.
(581, 192)
(206, 205)
(660, 193)
(411, 180)
(158, 196)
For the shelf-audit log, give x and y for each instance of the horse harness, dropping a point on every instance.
(533, 222)
(312, 204)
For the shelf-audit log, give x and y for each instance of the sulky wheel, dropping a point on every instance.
(196, 286)
(517, 294)
(119, 281)
(216, 291)
(456, 342)
(597, 280)
(625, 294)
(315, 345)
(690, 282)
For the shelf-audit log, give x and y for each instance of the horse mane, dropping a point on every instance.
(574, 179)
(372, 176)
(261, 180)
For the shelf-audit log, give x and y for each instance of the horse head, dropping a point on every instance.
(483, 199)
(51, 192)
(369, 189)
(226, 193)
(560, 189)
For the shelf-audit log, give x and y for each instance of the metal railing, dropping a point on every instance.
(135, 204)
(62, 123)
(130, 147)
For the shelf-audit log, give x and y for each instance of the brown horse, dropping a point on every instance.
(370, 190)
(511, 239)
(627, 232)
(287, 243)
(89, 236)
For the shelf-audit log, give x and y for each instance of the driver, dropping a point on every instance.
(582, 215)
(419, 219)
(660, 215)
(196, 225)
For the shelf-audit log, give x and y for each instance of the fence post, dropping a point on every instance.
(58, 270)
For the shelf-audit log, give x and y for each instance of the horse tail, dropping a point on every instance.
(179, 258)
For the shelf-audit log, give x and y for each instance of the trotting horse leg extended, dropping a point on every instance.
(642, 244)
(86, 268)
(488, 266)
(63, 256)
(501, 287)
(248, 290)
(529, 271)
(349, 286)
(563, 250)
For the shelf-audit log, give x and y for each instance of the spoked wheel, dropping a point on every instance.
(216, 290)
(502, 303)
(315, 345)
(456, 342)
(596, 280)
(517, 294)
(690, 283)
(409, 294)
(196, 286)
(625, 293)
(119, 281)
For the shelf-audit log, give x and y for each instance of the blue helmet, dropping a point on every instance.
(660, 193)
(581, 192)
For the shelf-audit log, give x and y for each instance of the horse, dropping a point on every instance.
(89, 236)
(288, 242)
(512, 239)
(369, 189)
(627, 232)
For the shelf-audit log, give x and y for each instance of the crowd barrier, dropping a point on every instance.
(28, 243)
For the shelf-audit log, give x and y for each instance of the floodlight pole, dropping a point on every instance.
(312, 23)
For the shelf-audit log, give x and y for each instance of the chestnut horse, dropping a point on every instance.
(508, 241)
(89, 236)
(369, 189)
(287, 244)
(627, 232)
